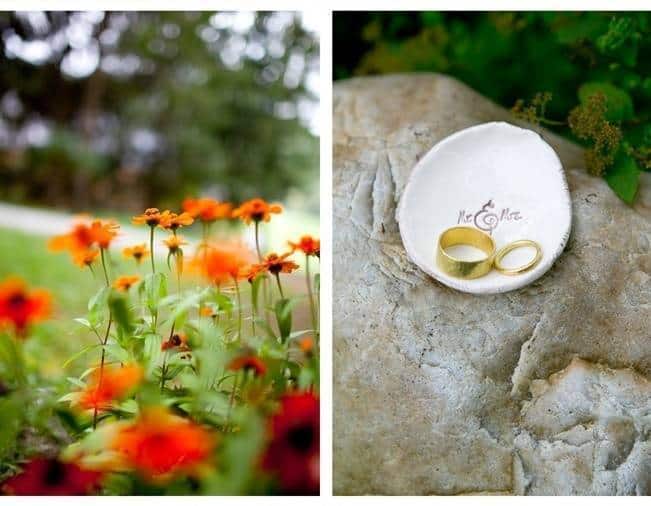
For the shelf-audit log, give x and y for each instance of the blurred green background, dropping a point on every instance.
(553, 62)
(122, 110)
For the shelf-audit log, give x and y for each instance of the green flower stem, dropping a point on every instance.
(219, 308)
(178, 271)
(232, 399)
(280, 287)
(265, 285)
(164, 367)
(308, 280)
(106, 277)
(151, 248)
(163, 372)
(257, 240)
(101, 364)
(239, 309)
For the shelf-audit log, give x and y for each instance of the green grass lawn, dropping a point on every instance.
(54, 341)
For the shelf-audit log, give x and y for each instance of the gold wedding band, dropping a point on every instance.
(524, 243)
(466, 269)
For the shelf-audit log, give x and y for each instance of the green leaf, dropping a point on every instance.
(259, 322)
(129, 406)
(305, 378)
(619, 105)
(224, 302)
(624, 177)
(283, 311)
(300, 333)
(120, 312)
(183, 306)
(151, 352)
(431, 18)
(76, 382)
(255, 291)
(79, 354)
(96, 306)
(84, 322)
(11, 416)
(154, 288)
(619, 41)
(117, 352)
(240, 452)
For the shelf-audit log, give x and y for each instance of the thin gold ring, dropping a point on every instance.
(469, 236)
(523, 243)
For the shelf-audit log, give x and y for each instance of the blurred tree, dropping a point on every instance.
(132, 108)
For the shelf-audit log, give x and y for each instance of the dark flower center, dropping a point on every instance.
(301, 437)
(55, 473)
(17, 300)
(275, 268)
(257, 216)
(176, 340)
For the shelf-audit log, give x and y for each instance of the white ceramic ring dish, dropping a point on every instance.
(503, 179)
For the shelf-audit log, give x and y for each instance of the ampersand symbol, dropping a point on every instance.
(485, 220)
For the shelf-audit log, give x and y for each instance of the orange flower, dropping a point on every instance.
(275, 264)
(206, 311)
(151, 217)
(223, 262)
(306, 344)
(160, 445)
(123, 283)
(308, 245)
(83, 236)
(19, 307)
(103, 232)
(109, 385)
(173, 221)
(207, 210)
(250, 272)
(256, 210)
(179, 341)
(248, 363)
(85, 258)
(174, 243)
(80, 238)
(137, 252)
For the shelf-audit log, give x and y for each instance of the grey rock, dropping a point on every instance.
(543, 390)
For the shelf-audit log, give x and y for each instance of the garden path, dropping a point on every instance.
(47, 222)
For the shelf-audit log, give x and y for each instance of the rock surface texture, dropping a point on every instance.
(544, 390)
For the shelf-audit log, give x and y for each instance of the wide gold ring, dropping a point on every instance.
(465, 269)
(523, 243)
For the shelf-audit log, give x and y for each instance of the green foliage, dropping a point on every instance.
(595, 65)
(183, 357)
(617, 102)
(623, 177)
(283, 312)
(11, 419)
